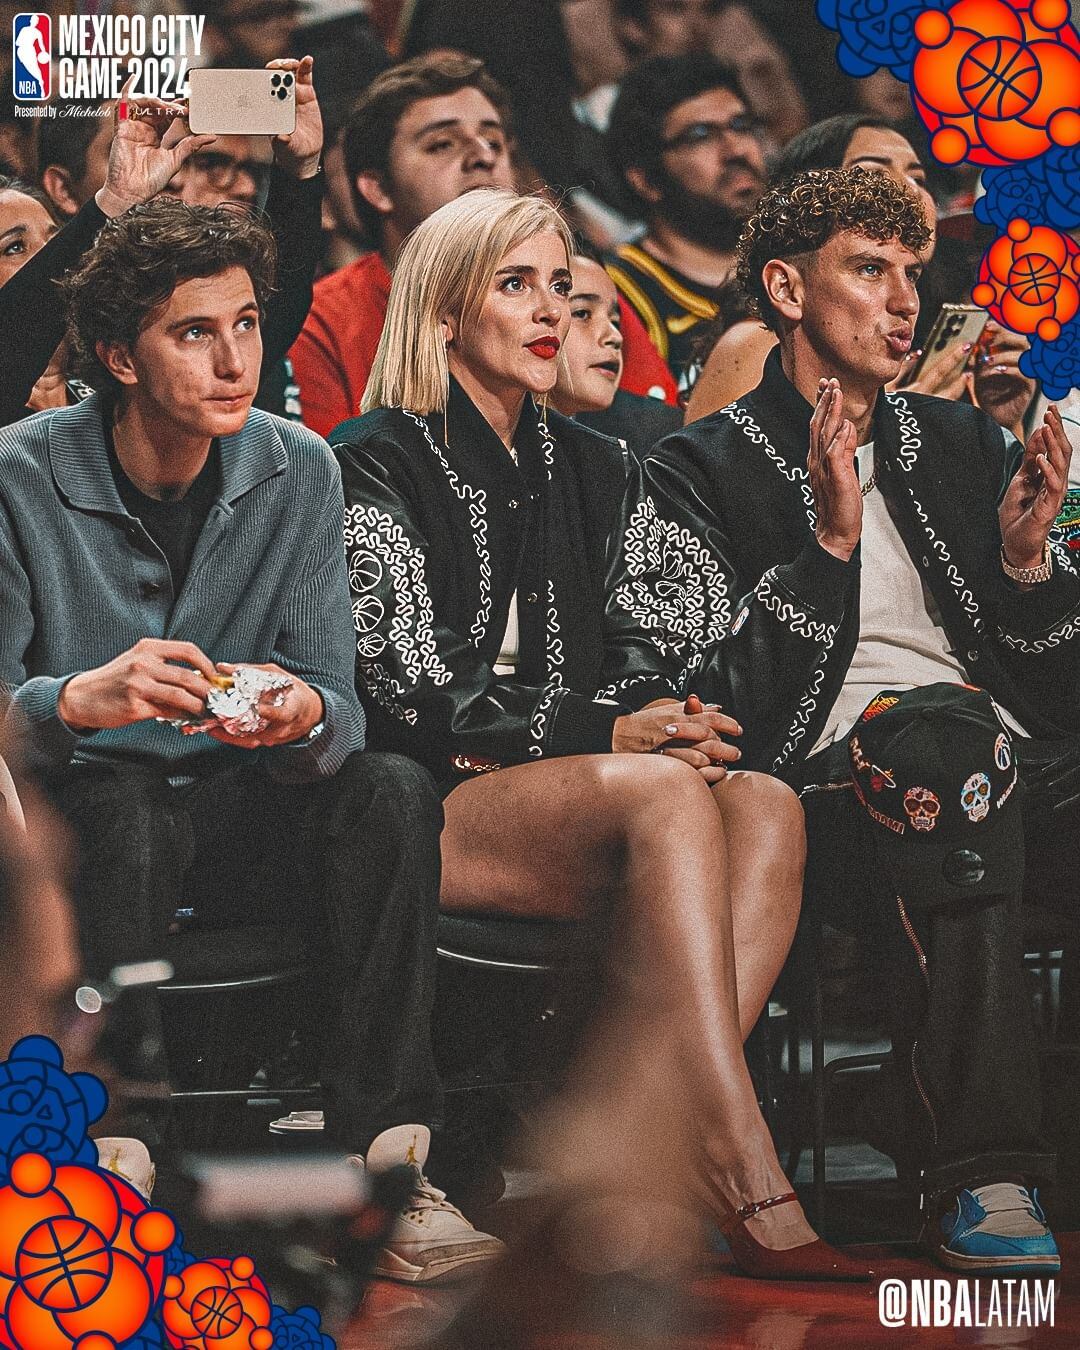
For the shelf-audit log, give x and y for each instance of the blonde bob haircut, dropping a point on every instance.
(445, 270)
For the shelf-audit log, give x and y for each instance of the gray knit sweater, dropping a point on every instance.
(81, 581)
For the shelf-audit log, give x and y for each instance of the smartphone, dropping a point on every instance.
(954, 323)
(242, 102)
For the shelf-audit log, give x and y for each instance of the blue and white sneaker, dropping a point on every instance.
(998, 1228)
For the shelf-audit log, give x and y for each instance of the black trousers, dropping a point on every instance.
(351, 861)
(960, 1098)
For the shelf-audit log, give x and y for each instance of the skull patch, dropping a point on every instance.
(975, 797)
(922, 807)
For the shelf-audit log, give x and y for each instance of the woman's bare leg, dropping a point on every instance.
(766, 839)
(557, 838)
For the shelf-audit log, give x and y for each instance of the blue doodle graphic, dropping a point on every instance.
(1056, 365)
(45, 1110)
(876, 33)
(1042, 191)
(299, 1330)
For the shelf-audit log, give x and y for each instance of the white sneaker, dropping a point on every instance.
(431, 1239)
(297, 1122)
(129, 1159)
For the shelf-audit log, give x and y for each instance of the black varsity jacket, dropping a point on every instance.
(719, 586)
(441, 528)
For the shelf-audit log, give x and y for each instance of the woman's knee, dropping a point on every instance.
(632, 788)
(767, 810)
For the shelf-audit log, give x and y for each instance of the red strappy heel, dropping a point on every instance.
(811, 1261)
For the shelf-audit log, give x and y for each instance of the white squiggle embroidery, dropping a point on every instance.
(910, 445)
(677, 592)
(555, 655)
(376, 537)
(910, 431)
(1064, 633)
(1063, 555)
(795, 619)
(803, 713)
(476, 501)
(794, 473)
(549, 447)
(956, 581)
(620, 686)
(538, 726)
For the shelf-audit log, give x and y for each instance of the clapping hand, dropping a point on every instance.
(830, 465)
(1034, 498)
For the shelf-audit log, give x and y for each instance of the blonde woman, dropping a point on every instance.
(476, 532)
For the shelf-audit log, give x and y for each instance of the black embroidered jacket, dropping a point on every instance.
(441, 528)
(719, 573)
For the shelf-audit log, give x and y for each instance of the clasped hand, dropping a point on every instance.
(691, 732)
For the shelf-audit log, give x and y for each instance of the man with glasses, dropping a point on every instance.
(233, 169)
(688, 147)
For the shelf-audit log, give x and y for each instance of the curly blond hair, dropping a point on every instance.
(800, 216)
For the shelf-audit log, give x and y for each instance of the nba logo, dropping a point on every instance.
(31, 42)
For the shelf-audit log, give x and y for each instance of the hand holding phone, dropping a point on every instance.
(242, 102)
(151, 144)
(281, 104)
(956, 326)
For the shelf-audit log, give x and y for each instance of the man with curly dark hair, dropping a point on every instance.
(819, 552)
(155, 540)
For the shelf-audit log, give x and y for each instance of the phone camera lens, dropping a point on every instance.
(282, 93)
(275, 81)
(287, 81)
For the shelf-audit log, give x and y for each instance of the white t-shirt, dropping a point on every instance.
(902, 641)
(1069, 408)
(508, 652)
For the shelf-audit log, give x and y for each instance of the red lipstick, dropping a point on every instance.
(546, 347)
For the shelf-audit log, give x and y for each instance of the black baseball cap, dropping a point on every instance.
(935, 770)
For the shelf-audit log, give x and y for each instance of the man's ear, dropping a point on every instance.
(785, 288)
(370, 187)
(116, 358)
(639, 181)
(57, 184)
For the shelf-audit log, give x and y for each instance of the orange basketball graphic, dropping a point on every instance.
(1034, 279)
(999, 78)
(996, 81)
(1029, 280)
(64, 1263)
(80, 1256)
(218, 1305)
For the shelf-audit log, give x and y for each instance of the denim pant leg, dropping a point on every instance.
(959, 1099)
